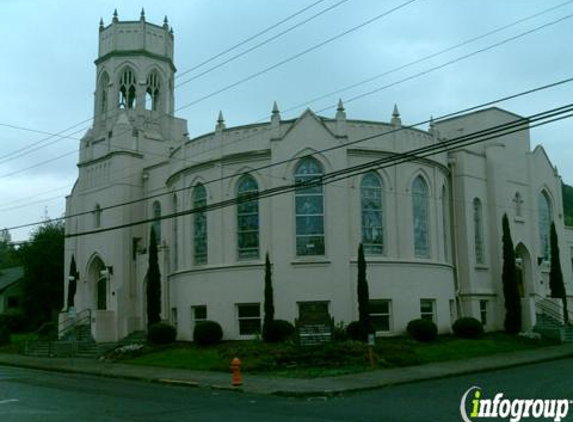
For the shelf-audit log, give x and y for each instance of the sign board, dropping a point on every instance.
(314, 334)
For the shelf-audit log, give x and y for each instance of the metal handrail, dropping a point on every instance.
(552, 309)
(80, 319)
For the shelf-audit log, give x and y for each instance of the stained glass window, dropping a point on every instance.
(372, 217)
(544, 223)
(478, 231)
(420, 212)
(199, 225)
(248, 218)
(309, 208)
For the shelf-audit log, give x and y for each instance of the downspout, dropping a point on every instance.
(452, 166)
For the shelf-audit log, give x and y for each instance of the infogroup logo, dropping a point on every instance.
(475, 406)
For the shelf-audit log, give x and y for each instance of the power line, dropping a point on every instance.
(252, 37)
(428, 57)
(345, 145)
(21, 151)
(361, 95)
(256, 46)
(553, 115)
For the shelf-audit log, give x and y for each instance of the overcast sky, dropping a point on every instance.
(47, 77)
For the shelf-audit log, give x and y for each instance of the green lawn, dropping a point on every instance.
(331, 359)
(17, 342)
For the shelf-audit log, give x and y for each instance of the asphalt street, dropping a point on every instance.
(31, 395)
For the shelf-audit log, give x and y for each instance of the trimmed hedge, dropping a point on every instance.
(207, 333)
(468, 328)
(161, 333)
(4, 335)
(356, 331)
(422, 330)
(14, 323)
(277, 331)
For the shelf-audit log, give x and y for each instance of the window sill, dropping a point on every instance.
(519, 219)
(310, 261)
(481, 267)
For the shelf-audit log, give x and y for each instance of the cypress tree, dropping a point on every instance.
(363, 295)
(153, 283)
(555, 274)
(269, 301)
(72, 283)
(510, 290)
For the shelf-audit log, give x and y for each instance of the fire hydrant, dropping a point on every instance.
(236, 368)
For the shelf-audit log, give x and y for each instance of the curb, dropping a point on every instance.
(289, 393)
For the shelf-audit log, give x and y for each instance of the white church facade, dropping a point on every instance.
(431, 226)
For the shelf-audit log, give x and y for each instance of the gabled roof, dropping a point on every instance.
(9, 276)
(309, 114)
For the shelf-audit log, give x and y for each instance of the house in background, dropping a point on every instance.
(11, 290)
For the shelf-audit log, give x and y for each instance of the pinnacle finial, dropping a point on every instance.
(275, 108)
(171, 30)
(115, 19)
(396, 121)
(340, 105)
(220, 121)
(100, 23)
(142, 16)
(165, 21)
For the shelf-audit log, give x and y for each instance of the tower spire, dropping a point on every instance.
(142, 16)
(115, 19)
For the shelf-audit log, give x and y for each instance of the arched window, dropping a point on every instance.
(199, 225)
(127, 94)
(175, 234)
(103, 86)
(152, 91)
(247, 218)
(309, 208)
(478, 231)
(372, 214)
(544, 224)
(157, 221)
(420, 208)
(97, 216)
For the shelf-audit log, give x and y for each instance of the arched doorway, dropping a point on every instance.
(99, 284)
(523, 270)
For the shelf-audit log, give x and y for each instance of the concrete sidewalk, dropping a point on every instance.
(260, 384)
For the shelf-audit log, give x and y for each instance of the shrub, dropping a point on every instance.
(4, 335)
(468, 328)
(207, 333)
(277, 331)
(422, 330)
(161, 333)
(14, 323)
(356, 331)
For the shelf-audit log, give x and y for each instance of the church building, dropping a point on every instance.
(431, 226)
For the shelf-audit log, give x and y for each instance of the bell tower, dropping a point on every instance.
(134, 74)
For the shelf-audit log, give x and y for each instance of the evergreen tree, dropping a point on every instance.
(555, 275)
(43, 262)
(153, 283)
(510, 289)
(72, 283)
(362, 290)
(269, 306)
